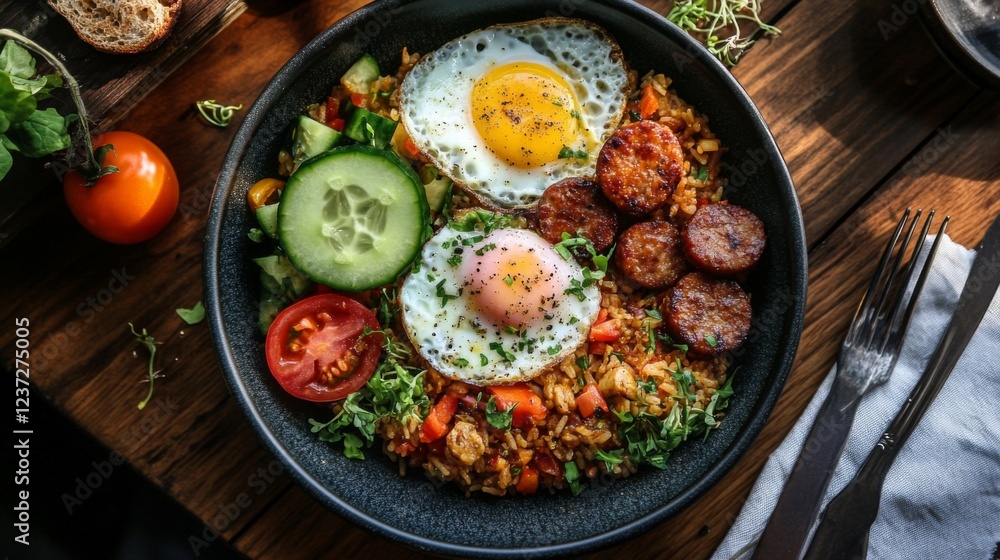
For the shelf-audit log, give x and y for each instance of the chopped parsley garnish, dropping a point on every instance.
(511, 330)
(566, 153)
(553, 350)
(486, 248)
(503, 353)
(576, 288)
(654, 314)
(652, 338)
(575, 114)
(441, 293)
(508, 280)
(461, 362)
(574, 320)
(583, 363)
(470, 241)
(710, 340)
(483, 360)
(670, 342)
(702, 173)
(557, 103)
(489, 221)
(685, 379)
(500, 419)
(648, 386)
(610, 458)
(455, 260)
(573, 477)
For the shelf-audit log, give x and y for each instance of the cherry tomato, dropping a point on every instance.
(133, 204)
(590, 400)
(264, 192)
(317, 349)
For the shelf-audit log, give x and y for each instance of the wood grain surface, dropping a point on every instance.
(868, 124)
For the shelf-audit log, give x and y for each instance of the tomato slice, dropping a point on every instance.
(317, 350)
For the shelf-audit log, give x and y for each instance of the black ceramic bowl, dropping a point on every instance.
(412, 510)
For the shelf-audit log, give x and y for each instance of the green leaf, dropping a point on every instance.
(15, 105)
(256, 235)
(6, 161)
(16, 60)
(500, 419)
(194, 315)
(41, 134)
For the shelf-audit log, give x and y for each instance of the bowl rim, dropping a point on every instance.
(759, 415)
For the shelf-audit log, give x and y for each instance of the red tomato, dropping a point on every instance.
(604, 329)
(317, 350)
(589, 400)
(133, 204)
(529, 405)
(436, 424)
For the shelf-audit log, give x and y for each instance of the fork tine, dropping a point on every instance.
(898, 332)
(881, 316)
(861, 320)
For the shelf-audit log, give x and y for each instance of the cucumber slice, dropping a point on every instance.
(311, 138)
(267, 217)
(361, 75)
(353, 218)
(370, 129)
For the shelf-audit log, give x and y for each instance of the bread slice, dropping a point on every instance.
(121, 27)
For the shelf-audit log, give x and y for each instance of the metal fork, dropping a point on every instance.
(866, 359)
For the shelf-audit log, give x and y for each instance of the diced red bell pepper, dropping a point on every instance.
(605, 330)
(358, 99)
(529, 405)
(436, 424)
(589, 400)
(648, 104)
(332, 109)
(528, 481)
(411, 148)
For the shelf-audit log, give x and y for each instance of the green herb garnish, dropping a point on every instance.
(573, 477)
(256, 235)
(500, 419)
(149, 342)
(610, 458)
(217, 114)
(709, 19)
(569, 153)
(194, 315)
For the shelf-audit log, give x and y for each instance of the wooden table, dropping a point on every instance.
(869, 117)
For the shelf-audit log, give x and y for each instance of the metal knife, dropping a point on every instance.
(843, 532)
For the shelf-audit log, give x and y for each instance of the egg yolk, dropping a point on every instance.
(525, 113)
(516, 282)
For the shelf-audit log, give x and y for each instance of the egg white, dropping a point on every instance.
(448, 330)
(436, 101)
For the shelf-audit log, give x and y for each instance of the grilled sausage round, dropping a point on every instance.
(576, 206)
(639, 167)
(650, 254)
(724, 239)
(711, 316)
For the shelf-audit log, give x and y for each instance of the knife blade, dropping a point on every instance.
(843, 531)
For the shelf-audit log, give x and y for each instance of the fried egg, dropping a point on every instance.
(493, 308)
(508, 110)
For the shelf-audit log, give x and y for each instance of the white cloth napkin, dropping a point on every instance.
(942, 496)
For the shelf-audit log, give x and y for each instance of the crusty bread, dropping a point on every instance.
(121, 27)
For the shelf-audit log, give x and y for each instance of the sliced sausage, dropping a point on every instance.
(576, 206)
(711, 316)
(639, 167)
(724, 239)
(650, 254)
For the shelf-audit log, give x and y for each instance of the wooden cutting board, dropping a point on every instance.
(111, 84)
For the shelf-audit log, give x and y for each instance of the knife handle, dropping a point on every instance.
(785, 535)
